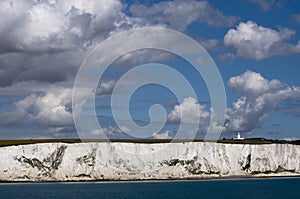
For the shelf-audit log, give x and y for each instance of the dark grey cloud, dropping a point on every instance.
(16, 67)
(47, 40)
(54, 26)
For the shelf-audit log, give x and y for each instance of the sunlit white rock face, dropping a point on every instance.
(112, 161)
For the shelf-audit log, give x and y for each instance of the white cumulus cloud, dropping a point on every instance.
(191, 108)
(253, 41)
(252, 107)
(49, 109)
(253, 84)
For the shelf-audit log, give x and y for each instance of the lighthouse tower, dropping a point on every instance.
(238, 136)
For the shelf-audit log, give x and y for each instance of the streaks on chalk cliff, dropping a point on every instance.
(56, 157)
(88, 159)
(247, 165)
(48, 165)
(193, 166)
(87, 163)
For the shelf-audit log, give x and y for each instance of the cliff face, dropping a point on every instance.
(114, 161)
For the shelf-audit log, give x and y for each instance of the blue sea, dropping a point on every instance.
(238, 188)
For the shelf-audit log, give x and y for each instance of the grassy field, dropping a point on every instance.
(225, 141)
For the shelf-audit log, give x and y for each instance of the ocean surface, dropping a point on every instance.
(238, 188)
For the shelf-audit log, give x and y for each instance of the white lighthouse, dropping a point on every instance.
(238, 137)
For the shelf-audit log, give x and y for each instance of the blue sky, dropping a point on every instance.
(254, 43)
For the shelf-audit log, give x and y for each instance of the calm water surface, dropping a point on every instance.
(242, 188)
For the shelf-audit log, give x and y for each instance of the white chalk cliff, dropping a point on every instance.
(133, 161)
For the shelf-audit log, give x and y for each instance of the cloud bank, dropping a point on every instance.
(258, 97)
(42, 44)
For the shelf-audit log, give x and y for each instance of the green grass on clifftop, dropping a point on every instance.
(149, 141)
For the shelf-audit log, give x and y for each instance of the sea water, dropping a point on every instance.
(238, 188)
